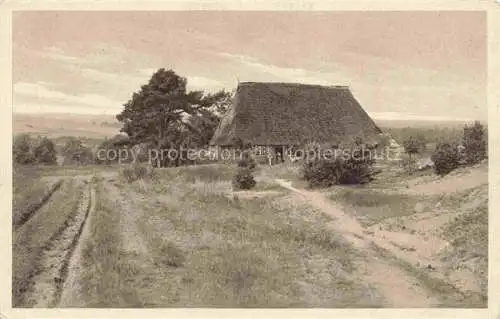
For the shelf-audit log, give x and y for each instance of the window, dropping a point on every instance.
(259, 150)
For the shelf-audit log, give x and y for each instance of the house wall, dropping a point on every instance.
(261, 152)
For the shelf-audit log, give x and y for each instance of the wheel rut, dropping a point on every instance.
(56, 257)
(21, 218)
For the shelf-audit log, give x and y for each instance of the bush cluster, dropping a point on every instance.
(135, 172)
(28, 150)
(449, 156)
(321, 173)
(244, 179)
(445, 158)
(324, 172)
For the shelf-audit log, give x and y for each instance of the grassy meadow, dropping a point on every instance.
(207, 246)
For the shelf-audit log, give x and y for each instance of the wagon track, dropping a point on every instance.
(22, 217)
(71, 289)
(48, 283)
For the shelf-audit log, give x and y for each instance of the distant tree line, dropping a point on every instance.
(28, 150)
(432, 135)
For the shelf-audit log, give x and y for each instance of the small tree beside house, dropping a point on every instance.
(244, 179)
(413, 145)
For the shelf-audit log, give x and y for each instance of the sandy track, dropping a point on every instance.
(49, 282)
(398, 288)
(70, 296)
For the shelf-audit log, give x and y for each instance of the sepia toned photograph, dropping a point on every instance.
(249, 159)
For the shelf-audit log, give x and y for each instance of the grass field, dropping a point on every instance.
(204, 248)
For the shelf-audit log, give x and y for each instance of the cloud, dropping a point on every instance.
(57, 54)
(111, 91)
(299, 75)
(100, 55)
(45, 96)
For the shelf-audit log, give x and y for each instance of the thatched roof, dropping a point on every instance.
(287, 113)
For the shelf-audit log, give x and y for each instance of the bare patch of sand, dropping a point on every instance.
(457, 181)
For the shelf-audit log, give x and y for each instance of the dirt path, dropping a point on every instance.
(399, 289)
(55, 259)
(71, 290)
(133, 241)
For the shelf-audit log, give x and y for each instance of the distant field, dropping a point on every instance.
(60, 125)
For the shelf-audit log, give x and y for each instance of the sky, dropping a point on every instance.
(399, 65)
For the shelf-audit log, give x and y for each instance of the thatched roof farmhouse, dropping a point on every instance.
(287, 114)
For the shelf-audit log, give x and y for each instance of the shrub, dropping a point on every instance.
(244, 179)
(322, 173)
(474, 142)
(136, 172)
(45, 152)
(445, 158)
(76, 153)
(22, 152)
(357, 169)
(247, 161)
(353, 169)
